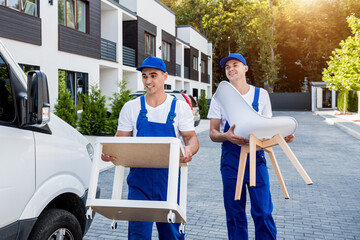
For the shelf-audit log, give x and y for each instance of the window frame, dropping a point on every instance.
(166, 51)
(85, 29)
(72, 78)
(195, 63)
(21, 7)
(203, 66)
(150, 51)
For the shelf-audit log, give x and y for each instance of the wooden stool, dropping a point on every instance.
(254, 145)
(140, 152)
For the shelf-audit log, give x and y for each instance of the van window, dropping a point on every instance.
(7, 108)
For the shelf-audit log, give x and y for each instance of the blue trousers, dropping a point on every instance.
(261, 204)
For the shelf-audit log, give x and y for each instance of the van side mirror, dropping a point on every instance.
(38, 103)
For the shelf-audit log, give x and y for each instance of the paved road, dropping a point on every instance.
(329, 209)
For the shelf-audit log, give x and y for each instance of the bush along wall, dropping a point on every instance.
(93, 118)
(351, 101)
(118, 100)
(65, 108)
(203, 108)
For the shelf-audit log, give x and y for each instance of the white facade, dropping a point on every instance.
(104, 73)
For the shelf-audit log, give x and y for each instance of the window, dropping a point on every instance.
(72, 13)
(167, 86)
(27, 68)
(26, 6)
(166, 47)
(7, 107)
(149, 44)
(203, 67)
(195, 63)
(77, 84)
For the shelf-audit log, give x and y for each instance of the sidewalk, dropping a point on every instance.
(203, 126)
(328, 209)
(348, 122)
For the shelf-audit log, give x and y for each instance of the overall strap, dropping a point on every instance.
(172, 113)
(143, 110)
(255, 103)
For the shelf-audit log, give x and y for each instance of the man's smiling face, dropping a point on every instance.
(153, 80)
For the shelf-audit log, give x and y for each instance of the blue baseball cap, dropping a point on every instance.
(153, 62)
(233, 56)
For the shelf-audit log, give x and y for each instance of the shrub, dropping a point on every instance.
(118, 101)
(93, 118)
(351, 101)
(65, 107)
(203, 108)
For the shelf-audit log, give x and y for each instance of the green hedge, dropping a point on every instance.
(351, 101)
(203, 108)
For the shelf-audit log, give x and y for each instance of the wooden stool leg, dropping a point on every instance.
(285, 147)
(277, 171)
(241, 171)
(252, 144)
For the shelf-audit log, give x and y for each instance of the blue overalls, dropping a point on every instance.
(261, 205)
(151, 183)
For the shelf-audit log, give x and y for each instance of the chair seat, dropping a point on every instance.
(247, 121)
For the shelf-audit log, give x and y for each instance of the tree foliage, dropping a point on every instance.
(118, 100)
(93, 118)
(343, 71)
(203, 108)
(283, 41)
(65, 108)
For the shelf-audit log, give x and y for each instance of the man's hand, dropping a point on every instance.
(289, 138)
(230, 136)
(107, 158)
(187, 155)
(191, 145)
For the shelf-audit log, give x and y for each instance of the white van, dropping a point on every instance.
(44, 165)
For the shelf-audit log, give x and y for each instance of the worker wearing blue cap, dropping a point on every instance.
(155, 114)
(261, 205)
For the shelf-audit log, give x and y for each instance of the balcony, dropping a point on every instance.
(178, 70)
(129, 57)
(108, 50)
(186, 72)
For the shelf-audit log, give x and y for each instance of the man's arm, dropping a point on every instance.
(217, 136)
(108, 158)
(191, 145)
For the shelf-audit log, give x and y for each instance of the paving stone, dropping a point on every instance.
(328, 209)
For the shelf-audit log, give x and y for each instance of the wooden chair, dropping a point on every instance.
(263, 133)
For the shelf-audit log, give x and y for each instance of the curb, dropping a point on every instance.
(341, 124)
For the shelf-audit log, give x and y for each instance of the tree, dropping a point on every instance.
(343, 71)
(93, 118)
(65, 108)
(118, 101)
(203, 108)
(307, 32)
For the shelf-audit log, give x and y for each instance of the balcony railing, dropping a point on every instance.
(129, 58)
(186, 72)
(178, 70)
(108, 50)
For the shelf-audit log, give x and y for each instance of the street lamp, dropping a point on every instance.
(229, 44)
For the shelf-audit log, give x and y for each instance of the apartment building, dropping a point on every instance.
(101, 42)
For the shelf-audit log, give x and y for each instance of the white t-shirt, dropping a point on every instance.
(216, 111)
(184, 120)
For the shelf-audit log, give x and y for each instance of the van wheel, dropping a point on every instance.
(56, 224)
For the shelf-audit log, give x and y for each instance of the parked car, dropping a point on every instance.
(181, 95)
(44, 165)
